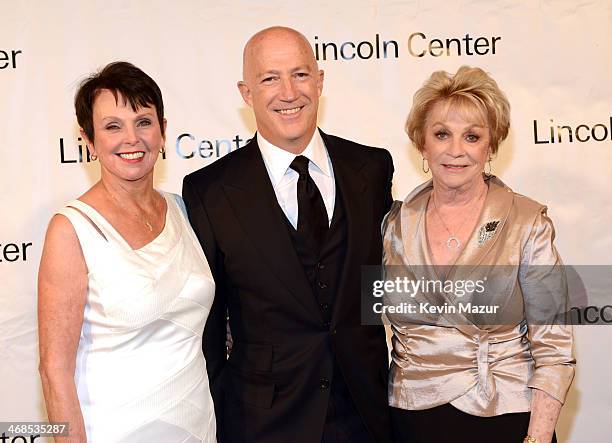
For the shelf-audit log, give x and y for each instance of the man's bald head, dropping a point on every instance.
(271, 37)
(282, 83)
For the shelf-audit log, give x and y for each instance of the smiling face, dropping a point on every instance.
(127, 142)
(282, 84)
(457, 145)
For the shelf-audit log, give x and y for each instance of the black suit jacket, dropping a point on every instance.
(272, 388)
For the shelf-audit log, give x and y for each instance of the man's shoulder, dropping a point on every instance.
(354, 148)
(214, 172)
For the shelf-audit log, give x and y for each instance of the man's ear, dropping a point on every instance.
(320, 79)
(245, 92)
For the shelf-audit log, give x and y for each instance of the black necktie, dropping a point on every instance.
(312, 216)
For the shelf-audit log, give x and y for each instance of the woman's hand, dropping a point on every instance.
(544, 414)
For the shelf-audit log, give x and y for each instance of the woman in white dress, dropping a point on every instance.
(124, 287)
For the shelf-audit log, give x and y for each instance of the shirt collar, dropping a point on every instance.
(277, 160)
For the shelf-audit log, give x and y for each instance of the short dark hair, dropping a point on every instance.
(120, 78)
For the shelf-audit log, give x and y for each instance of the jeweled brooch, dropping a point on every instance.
(487, 231)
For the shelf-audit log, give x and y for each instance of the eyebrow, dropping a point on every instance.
(301, 68)
(277, 72)
(269, 72)
(144, 114)
(475, 125)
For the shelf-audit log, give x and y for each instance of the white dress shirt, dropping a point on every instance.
(284, 179)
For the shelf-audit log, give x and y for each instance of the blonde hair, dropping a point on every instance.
(470, 88)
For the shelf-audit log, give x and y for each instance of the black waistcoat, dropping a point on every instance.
(324, 269)
(324, 272)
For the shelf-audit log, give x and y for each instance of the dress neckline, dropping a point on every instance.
(427, 247)
(109, 225)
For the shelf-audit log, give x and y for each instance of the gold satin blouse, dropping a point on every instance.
(481, 369)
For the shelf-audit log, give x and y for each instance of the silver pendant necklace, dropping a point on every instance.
(453, 242)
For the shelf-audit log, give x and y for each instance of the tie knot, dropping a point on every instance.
(300, 165)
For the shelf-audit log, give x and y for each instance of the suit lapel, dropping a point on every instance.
(416, 250)
(252, 198)
(490, 223)
(353, 187)
(414, 238)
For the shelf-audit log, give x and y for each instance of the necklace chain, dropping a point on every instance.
(140, 217)
(452, 239)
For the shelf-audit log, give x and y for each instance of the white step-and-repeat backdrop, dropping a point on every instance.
(552, 58)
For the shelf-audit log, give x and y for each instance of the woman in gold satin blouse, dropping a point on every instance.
(459, 376)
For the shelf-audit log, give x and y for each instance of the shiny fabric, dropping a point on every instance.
(140, 372)
(481, 369)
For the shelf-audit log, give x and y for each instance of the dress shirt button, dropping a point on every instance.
(320, 265)
(325, 306)
(333, 332)
(322, 285)
(324, 383)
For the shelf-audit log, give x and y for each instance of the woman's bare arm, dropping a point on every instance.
(544, 414)
(62, 292)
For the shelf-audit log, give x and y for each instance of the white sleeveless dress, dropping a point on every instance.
(140, 372)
